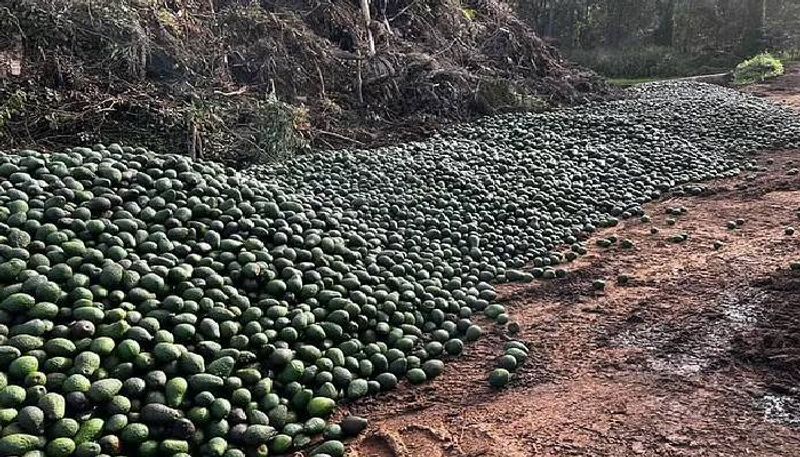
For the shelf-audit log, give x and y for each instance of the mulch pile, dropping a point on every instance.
(246, 81)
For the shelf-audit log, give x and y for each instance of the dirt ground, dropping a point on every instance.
(785, 89)
(697, 355)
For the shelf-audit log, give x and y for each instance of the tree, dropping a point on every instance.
(618, 20)
(665, 9)
(754, 38)
(368, 26)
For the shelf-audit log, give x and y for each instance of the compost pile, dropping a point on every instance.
(153, 305)
(250, 81)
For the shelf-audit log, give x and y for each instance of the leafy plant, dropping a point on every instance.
(469, 13)
(757, 69)
(13, 105)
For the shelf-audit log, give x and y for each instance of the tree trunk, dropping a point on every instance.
(754, 39)
(615, 21)
(573, 18)
(368, 25)
(666, 22)
(551, 20)
(541, 16)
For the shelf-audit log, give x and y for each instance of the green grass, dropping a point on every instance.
(789, 56)
(628, 82)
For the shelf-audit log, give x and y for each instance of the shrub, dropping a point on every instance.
(757, 69)
(249, 130)
(496, 95)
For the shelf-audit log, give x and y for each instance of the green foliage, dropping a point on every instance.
(647, 38)
(90, 29)
(11, 106)
(789, 55)
(496, 95)
(258, 130)
(648, 62)
(757, 69)
(469, 13)
(274, 129)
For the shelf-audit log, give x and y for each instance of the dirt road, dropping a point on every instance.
(697, 355)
